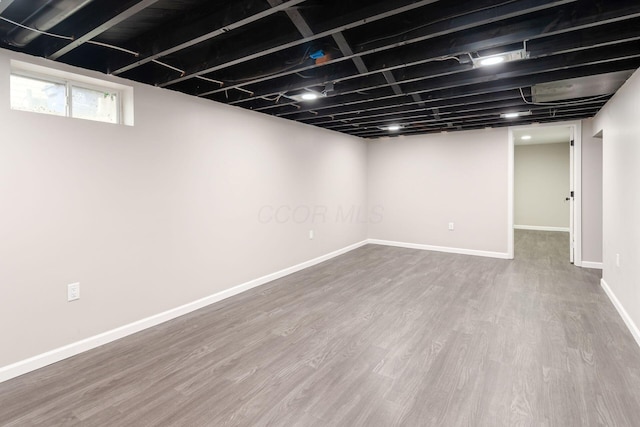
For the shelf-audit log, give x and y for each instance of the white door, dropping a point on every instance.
(571, 197)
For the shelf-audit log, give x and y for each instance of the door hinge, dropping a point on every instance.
(572, 195)
(572, 143)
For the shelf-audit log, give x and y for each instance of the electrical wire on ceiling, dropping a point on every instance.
(446, 58)
(293, 65)
(269, 74)
(207, 79)
(17, 24)
(276, 99)
(171, 67)
(428, 24)
(182, 73)
(110, 46)
(304, 57)
(46, 33)
(560, 104)
(244, 90)
(226, 92)
(121, 49)
(259, 76)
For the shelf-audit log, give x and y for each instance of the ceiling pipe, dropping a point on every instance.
(46, 17)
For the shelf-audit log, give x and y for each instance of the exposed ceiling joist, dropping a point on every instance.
(540, 71)
(261, 53)
(477, 88)
(121, 16)
(412, 63)
(611, 34)
(409, 107)
(472, 18)
(208, 36)
(481, 110)
(4, 4)
(296, 18)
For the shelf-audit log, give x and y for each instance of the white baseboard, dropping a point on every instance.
(541, 228)
(591, 264)
(623, 313)
(61, 353)
(501, 255)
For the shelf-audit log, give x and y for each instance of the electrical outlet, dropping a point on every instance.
(451, 226)
(73, 291)
(311, 234)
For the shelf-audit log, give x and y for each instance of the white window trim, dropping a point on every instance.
(46, 79)
(125, 93)
(71, 84)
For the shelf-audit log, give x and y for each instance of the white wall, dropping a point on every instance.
(619, 122)
(542, 178)
(198, 197)
(149, 217)
(425, 182)
(591, 195)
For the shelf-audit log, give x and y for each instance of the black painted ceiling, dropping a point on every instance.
(374, 63)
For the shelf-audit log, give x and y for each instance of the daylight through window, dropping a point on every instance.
(65, 98)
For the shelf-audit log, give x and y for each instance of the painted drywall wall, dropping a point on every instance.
(591, 195)
(422, 183)
(197, 197)
(541, 183)
(620, 126)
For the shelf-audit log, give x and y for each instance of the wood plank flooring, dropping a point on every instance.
(381, 336)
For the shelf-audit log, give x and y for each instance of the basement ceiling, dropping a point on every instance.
(372, 64)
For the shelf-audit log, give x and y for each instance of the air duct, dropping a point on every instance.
(46, 17)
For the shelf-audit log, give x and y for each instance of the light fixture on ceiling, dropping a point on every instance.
(306, 96)
(525, 137)
(515, 115)
(485, 61)
(391, 128)
(493, 60)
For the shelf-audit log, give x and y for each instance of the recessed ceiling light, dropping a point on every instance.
(492, 60)
(516, 55)
(515, 114)
(526, 137)
(394, 128)
(305, 96)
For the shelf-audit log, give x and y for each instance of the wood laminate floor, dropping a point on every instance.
(381, 336)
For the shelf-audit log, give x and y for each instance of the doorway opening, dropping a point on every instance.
(544, 183)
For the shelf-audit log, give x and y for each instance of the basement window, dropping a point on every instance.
(47, 91)
(39, 96)
(102, 105)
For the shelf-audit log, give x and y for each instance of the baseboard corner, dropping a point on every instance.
(633, 328)
(591, 264)
(423, 247)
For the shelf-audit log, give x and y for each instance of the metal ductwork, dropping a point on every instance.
(48, 16)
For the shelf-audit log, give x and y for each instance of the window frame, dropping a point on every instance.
(80, 85)
(69, 85)
(45, 79)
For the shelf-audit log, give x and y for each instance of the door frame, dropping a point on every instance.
(576, 178)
